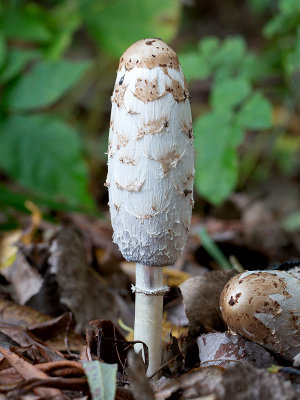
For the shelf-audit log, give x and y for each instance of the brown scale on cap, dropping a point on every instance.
(149, 53)
(146, 90)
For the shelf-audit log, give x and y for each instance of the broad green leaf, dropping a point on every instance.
(44, 155)
(229, 93)
(102, 379)
(256, 113)
(193, 66)
(216, 156)
(208, 47)
(252, 68)
(229, 56)
(45, 83)
(2, 49)
(116, 24)
(25, 23)
(16, 61)
(289, 7)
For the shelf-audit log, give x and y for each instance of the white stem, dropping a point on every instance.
(148, 312)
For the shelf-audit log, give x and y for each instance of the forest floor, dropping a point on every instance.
(66, 300)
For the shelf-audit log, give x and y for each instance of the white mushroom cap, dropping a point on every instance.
(150, 157)
(264, 306)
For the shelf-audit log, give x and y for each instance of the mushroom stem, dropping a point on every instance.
(149, 291)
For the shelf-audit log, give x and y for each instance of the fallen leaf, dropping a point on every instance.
(102, 379)
(191, 385)
(8, 248)
(107, 343)
(137, 377)
(201, 296)
(29, 371)
(247, 382)
(224, 349)
(25, 279)
(87, 297)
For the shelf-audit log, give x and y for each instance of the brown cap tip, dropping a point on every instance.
(149, 53)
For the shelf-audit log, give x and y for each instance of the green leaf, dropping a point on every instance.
(193, 66)
(213, 249)
(45, 83)
(16, 62)
(289, 7)
(256, 113)
(227, 60)
(292, 60)
(216, 163)
(44, 155)
(26, 23)
(208, 47)
(2, 49)
(102, 379)
(229, 93)
(252, 68)
(116, 25)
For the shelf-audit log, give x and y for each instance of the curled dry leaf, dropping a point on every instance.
(106, 343)
(201, 296)
(29, 371)
(224, 349)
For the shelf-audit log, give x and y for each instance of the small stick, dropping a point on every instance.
(149, 292)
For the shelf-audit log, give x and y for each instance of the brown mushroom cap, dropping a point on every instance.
(149, 53)
(264, 307)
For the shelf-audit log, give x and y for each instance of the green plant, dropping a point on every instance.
(235, 105)
(44, 141)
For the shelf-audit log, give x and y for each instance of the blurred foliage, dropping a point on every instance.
(41, 149)
(235, 104)
(57, 67)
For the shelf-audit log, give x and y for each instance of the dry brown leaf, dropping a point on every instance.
(25, 280)
(87, 297)
(201, 296)
(245, 382)
(8, 248)
(57, 332)
(137, 377)
(240, 382)
(224, 349)
(191, 385)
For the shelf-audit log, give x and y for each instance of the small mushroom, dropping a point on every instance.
(150, 175)
(264, 306)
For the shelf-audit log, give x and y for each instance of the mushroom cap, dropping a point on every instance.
(150, 155)
(149, 53)
(264, 306)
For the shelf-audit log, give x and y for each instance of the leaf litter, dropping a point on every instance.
(62, 322)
